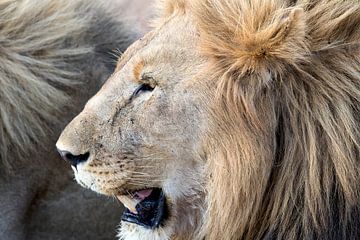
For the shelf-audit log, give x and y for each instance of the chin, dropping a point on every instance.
(157, 214)
(131, 231)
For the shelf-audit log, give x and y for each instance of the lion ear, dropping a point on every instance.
(252, 36)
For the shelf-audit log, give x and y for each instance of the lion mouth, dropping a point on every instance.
(146, 208)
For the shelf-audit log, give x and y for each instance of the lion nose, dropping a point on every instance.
(74, 160)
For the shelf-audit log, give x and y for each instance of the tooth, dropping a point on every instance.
(129, 203)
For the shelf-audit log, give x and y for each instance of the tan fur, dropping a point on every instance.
(288, 93)
(168, 8)
(273, 119)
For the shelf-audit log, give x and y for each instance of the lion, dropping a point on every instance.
(231, 119)
(53, 56)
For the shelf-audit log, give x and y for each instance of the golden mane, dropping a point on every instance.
(286, 137)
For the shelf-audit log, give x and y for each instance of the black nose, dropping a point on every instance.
(74, 159)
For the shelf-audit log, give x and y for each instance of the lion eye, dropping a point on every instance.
(142, 88)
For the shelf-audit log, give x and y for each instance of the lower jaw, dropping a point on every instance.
(183, 222)
(151, 212)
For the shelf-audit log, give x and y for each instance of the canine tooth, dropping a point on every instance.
(129, 203)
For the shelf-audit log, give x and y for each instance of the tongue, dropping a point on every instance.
(143, 194)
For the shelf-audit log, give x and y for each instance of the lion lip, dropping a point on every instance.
(146, 208)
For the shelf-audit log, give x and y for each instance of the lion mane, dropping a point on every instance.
(285, 138)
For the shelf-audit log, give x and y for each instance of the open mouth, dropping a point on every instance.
(146, 207)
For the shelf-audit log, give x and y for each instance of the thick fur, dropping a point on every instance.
(288, 75)
(53, 56)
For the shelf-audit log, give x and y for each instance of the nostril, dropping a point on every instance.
(78, 158)
(74, 159)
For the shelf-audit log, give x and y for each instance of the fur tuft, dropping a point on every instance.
(255, 37)
(45, 50)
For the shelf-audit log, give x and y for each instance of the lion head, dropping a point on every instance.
(230, 120)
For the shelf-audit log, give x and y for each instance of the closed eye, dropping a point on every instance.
(142, 88)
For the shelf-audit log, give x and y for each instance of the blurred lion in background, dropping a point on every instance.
(53, 56)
